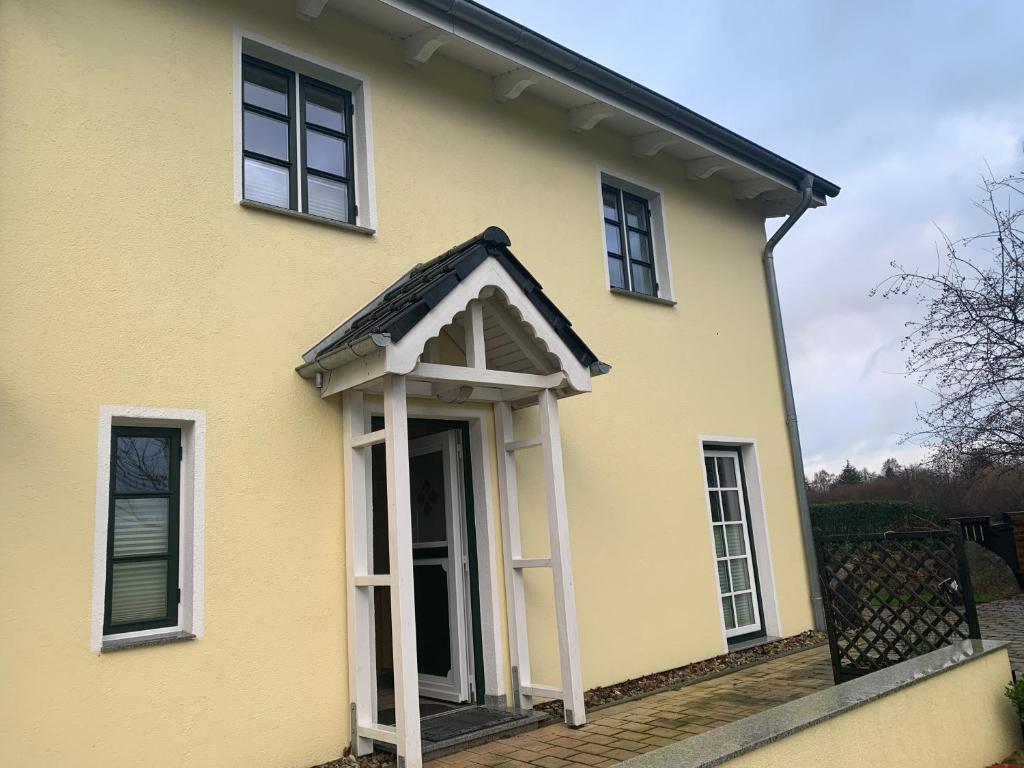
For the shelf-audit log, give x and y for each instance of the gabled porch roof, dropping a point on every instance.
(479, 288)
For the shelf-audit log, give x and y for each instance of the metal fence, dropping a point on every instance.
(995, 536)
(891, 597)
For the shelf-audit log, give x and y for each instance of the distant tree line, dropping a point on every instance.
(977, 486)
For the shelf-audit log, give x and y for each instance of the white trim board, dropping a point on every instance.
(358, 84)
(758, 527)
(191, 578)
(659, 227)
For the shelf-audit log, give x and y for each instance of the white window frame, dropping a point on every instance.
(757, 530)
(191, 515)
(659, 232)
(356, 83)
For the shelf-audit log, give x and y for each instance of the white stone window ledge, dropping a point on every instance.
(124, 643)
(306, 217)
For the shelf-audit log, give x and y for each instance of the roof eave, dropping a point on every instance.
(476, 23)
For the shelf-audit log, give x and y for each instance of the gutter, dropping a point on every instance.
(476, 23)
(806, 527)
(344, 354)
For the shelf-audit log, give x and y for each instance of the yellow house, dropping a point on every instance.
(278, 478)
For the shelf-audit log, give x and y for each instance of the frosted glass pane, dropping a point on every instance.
(731, 505)
(141, 464)
(140, 527)
(740, 574)
(730, 621)
(138, 591)
(744, 610)
(328, 198)
(723, 575)
(734, 538)
(719, 542)
(267, 183)
(426, 484)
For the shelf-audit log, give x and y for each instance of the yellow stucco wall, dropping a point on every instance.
(958, 719)
(130, 276)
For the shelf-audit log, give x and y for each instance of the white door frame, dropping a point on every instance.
(479, 418)
(750, 554)
(454, 687)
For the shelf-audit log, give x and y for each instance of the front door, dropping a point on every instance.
(439, 566)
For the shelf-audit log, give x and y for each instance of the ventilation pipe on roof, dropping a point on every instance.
(790, 404)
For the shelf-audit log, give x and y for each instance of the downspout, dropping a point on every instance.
(790, 404)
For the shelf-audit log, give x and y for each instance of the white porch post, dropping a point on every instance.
(519, 647)
(561, 560)
(362, 686)
(403, 606)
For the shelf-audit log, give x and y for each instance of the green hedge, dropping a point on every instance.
(843, 517)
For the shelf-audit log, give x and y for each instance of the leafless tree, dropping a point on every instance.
(968, 348)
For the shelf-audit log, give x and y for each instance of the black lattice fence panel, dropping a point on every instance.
(891, 597)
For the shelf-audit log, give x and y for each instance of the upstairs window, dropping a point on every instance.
(296, 142)
(628, 241)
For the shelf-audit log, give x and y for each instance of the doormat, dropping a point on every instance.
(459, 722)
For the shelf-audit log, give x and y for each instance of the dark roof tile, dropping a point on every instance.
(398, 309)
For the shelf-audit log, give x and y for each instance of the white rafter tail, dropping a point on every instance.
(419, 47)
(651, 144)
(358, 559)
(512, 84)
(309, 10)
(561, 560)
(705, 167)
(403, 606)
(751, 188)
(585, 118)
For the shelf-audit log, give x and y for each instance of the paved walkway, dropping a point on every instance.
(627, 730)
(1004, 620)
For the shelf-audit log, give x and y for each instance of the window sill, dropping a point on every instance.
(742, 645)
(643, 297)
(124, 643)
(306, 217)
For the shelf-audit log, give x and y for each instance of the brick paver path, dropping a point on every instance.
(1004, 620)
(627, 730)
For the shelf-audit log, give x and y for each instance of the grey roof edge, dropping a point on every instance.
(727, 742)
(467, 16)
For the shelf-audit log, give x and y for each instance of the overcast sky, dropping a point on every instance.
(900, 103)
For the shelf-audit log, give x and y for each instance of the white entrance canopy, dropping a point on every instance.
(471, 325)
